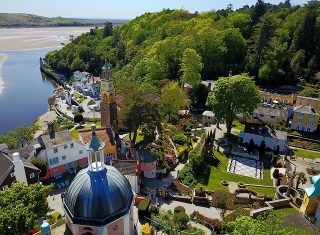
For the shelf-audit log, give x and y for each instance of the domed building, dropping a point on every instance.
(100, 199)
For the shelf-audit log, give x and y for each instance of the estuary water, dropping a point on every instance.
(25, 94)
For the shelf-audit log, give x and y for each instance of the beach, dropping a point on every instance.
(2, 59)
(19, 39)
(26, 39)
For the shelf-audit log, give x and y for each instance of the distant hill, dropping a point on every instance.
(28, 20)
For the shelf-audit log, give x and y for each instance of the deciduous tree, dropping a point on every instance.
(173, 98)
(232, 96)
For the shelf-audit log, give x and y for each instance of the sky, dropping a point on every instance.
(117, 9)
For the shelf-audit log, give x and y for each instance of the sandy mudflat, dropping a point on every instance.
(2, 59)
(32, 38)
(20, 39)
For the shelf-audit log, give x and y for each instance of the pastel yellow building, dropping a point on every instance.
(311, 197)
(270, 97)
(314, 102)
(305, 118)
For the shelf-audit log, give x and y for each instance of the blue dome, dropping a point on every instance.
(98, 198)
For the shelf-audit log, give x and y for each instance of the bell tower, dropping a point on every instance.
(108, 106)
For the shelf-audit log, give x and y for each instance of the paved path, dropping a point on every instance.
(200, 226)
(210, 212)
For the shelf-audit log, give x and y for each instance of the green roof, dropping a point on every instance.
(314, 190)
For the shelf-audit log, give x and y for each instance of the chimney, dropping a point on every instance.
(19, 170)
(51, 130)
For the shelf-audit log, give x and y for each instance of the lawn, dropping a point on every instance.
(306, 154)
(140, 137)
(237, 127)
(218, 172)
(78, 96)
(75, 134)
(282, 212)
(262, 191)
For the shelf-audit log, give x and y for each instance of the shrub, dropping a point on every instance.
(41, 165)
(181, 219)
(180, 139)
(144, 204)
(154, 209)
(239, 211)
(223, 200)
(145, 229)
(208, 221)
(179, 209)
(78, 118)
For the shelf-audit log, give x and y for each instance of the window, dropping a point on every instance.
(64, 157)
(80, 152)
(55, 150)
(65, 146)
(31, 175)
(272, 116)
(54, 161)
(5, 187)
(72, 145)
(12, 174)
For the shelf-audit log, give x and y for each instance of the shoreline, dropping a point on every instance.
(29, 49)
(3, 58)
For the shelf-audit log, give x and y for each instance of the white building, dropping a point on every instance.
(61, 153)
(271, 137)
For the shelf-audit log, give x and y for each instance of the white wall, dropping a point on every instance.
(270, 142)
(133, 179)
(72, 154)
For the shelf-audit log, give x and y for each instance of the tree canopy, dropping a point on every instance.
(269, 224)
(232, 96)
(21, 206)
(173, 98)
(276, 44)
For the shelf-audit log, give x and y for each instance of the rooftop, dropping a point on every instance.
(56, 138)
(104, 134)
(265, 131)
(271, 112)
(126, 167)
(305, 109)
(146, 156)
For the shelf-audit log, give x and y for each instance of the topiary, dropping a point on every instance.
(179, 209)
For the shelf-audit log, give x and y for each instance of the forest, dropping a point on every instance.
(275, 44)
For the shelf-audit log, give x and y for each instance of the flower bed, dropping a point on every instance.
(208, 222)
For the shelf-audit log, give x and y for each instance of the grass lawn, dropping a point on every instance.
(306, 154)
(75, 134)
(237, 127)
(140, 137)
(98, 123)
(218, 172)
(282, 212)
(78, 96)
(262, 191)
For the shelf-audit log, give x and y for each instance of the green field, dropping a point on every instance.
(306, 154)
(140, 137)
(219, 172)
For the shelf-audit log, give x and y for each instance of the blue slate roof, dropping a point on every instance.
(314, 190)
(98, 198)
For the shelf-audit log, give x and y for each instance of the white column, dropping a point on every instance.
(126, 224)
(19, 170)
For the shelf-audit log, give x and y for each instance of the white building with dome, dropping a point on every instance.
(100, 199)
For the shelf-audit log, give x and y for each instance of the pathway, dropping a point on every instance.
(200, 226)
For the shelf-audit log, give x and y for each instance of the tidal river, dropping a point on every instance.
(23, 92)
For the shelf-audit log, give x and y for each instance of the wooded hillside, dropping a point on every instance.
(276, 44)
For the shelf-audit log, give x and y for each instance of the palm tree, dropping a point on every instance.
(301, 178)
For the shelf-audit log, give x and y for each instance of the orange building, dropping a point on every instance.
(106, 135)
(270, 97)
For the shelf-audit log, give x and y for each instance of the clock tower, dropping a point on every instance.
(108, 106)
